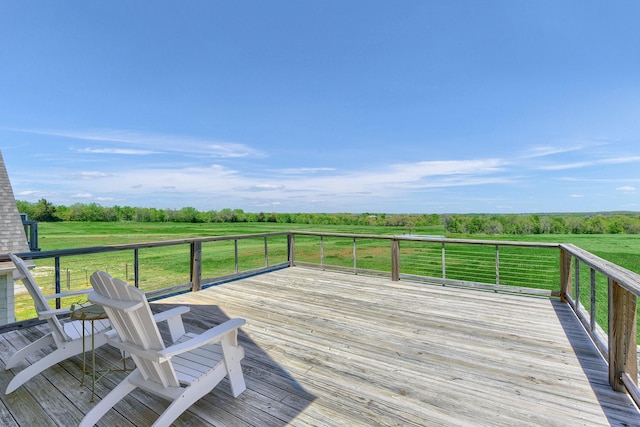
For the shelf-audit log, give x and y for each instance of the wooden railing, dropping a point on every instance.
(619, 344)
(555, 270)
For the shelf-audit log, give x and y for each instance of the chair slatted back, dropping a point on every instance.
(39, 300)
(131, 317)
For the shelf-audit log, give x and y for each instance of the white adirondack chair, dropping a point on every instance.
(66, 337)
(183, 372)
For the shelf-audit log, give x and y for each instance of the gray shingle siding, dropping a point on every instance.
(12, 235)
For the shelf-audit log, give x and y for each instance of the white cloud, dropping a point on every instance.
(626, 188)
(566, 166)
(549, 150)
(576, 165)
(27, 193)
(295, 171)
(576, 196)
(217, 182)
(561, 148)
(91, 175)
(141, 143)
(619, 160)
(267, 187)
(228, 150)
(416, 171)
(123, 151)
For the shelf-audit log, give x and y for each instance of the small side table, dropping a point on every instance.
(89, 313)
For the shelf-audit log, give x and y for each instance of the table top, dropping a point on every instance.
(88, 312)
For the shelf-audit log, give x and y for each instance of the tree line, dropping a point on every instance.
(489, 224)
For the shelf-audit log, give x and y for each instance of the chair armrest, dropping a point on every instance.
(167, 314)
(114, 340)
(211, 336)
(68, 294)
(111, 334)
(43, 315)
(173, 317)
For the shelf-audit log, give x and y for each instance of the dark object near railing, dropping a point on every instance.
(31, 230)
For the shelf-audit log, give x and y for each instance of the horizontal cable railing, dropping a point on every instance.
(157, 268)
(509, 266)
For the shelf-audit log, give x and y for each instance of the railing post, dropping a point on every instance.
(576, 280)
(565, 275)
(322, 252)
(355, 265)
(196, 266)
(266, 252)
(592, 299)
(623, 353)
(291, 243)
(444, 261)
(235, 251)
(395, 260)
(497, 264)
(136, 268)
(57, 279)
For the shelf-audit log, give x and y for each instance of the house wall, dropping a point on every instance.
(12, 239)
(7, 305)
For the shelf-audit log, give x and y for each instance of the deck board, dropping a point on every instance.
(326, 348)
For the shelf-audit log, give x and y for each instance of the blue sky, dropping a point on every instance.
(506, 106)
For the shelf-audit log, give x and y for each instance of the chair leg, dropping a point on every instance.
(189, 396)
(232, 356)
(57, 356)
(236, 378)
(109, 401)
(22, 354)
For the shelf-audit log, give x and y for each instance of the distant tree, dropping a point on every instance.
(475, 224)
(239, 216)
(615, 225)
(575, 225)
(225, 215)
(24, 207)
(631, 225)
(494, 226)
(546, 225)
(596, 225)
(558, 226)
(92, 212)
(433, 219)
(44, 211)
(126, 213)
(188, 214)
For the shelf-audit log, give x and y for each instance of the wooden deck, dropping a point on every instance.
(333, 349)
